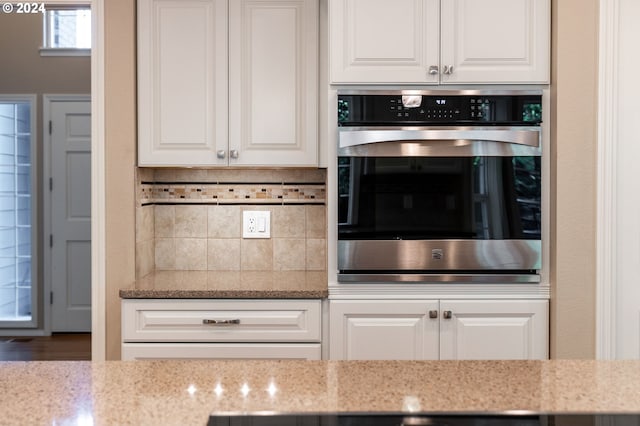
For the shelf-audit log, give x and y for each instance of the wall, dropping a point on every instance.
(574, 108)
(120, 148)
(24, 71)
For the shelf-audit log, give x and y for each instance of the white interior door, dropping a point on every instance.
(70, 239)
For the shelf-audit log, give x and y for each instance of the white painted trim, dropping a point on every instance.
(22, 327)
(438, 291)
(47, 100)
(98, 186)
(59, 51)
(606, 181)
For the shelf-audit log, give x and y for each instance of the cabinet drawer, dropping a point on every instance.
(221, 320)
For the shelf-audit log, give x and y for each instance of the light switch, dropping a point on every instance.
(256, 224)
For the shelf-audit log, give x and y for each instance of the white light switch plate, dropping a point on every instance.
(256, 224)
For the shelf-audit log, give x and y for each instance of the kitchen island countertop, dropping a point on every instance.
(187, 392)
(229, 284)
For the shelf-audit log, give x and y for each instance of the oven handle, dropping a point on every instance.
(355, 136)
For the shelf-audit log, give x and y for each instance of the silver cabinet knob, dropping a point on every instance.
(447, 314)
(448, 69)
(221, 154)
(433, 314)
(234, 153)
(433, 70)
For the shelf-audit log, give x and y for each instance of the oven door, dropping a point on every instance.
(441, 205)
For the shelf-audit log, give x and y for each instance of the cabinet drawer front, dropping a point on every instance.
(221, 321)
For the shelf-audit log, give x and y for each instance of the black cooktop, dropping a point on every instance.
(422, 420)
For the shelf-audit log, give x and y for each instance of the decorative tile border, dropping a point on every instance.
(238, 193)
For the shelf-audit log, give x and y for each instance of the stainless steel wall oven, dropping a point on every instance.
(439, 186)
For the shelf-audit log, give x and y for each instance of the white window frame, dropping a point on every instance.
(46, 49)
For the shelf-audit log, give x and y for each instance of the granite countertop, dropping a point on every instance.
(187, 392)
(229, 284)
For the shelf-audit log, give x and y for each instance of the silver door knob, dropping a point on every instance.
(221, 154)
(447, 314)
(448, 69)
(433, 314)
(433, 70)
(234, 153)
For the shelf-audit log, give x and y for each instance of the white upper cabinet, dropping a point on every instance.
(384, 41)
(439, 42)
(227, 82)
(182, 81)
(273, 55)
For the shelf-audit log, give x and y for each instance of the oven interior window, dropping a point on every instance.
(439, 197)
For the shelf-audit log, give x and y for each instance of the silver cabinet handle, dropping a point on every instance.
(234, 153)
(447, 314)
(433, 70)
(221, 154)
(433, 314)
(220, 322)
(448, 69)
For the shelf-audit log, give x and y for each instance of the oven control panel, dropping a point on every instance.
(372, 109)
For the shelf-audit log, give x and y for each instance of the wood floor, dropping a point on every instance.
(58, 347)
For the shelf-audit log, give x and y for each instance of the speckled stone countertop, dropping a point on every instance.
(211, 285)
(187, 392)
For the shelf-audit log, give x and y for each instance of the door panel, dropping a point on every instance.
(273, 56)
(70, 241)
(381, 41)
(490, 329)
(368, 330)
(483, 46)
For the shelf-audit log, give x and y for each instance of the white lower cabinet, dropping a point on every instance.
(439, 329)
(221, 329)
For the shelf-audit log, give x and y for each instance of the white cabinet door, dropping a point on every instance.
(367, 330)
(495, 41)
(228, 82)
(182, 82)
(494, 329)
(151, 351)
(440, 42)
(273, 86)
(383, 41)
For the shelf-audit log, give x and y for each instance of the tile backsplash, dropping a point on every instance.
(190, 219)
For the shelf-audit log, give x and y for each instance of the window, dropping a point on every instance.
(17, 296)
(66, 31)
